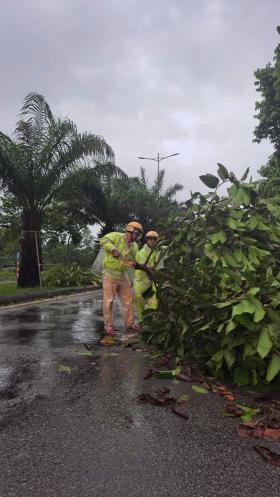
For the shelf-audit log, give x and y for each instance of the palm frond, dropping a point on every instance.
(12, 174)
(157, 187)
(172, 190)
(36, 109)
(109, 169)
(143, 177)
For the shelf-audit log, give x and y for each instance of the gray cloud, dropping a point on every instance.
(150, 76)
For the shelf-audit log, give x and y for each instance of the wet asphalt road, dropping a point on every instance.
(82, 434)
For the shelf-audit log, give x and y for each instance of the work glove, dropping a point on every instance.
(115, 253)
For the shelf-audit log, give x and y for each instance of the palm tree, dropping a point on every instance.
(133, 198)
(34, 165)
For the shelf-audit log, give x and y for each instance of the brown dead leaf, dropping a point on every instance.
(151, 399)
(186, 375)
(271, 433)
(274, 423)
(268, 455)
(268, 399)
(206, 385)
(233, 410)
(222, 388)
(149, 374)
(229, 398)
(163, 362)
(183, 377)
(254, 430)
(258, 432)
(225, 393)
(244, 431)
(163, 392)
(181, 409)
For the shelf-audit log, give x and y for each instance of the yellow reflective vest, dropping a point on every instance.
(111, 265)
(140, 277)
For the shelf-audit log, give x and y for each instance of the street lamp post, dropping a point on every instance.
(158, 159)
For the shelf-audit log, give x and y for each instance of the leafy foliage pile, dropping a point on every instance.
(219, 299)
(66, 276)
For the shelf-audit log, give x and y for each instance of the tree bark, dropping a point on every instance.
(29, 269)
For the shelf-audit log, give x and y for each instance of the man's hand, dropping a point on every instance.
(148, 270)
(115, 253)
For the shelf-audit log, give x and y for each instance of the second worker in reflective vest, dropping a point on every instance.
(142, 282)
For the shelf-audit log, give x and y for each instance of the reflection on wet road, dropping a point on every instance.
(59, 322)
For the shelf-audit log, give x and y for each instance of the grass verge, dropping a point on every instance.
(10, 288)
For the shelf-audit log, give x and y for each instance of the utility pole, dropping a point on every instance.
(158, 159)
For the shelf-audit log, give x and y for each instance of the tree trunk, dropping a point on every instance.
(29, 268)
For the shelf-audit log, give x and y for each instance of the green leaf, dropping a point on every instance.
(254, 254)
(220, 236)
(230, 326)
(264, 342)
(218, 356)
(269, 273)
(246, 321)
(274, 209)
(259, 310)
(229, 259)
(221, 305)
(199, 389)
(210, 180)
(241, 377)
(273, 367)
(223, 172)
(249, 414)
(86, 354)
(234, 224)
(229, 358)
(220, 327)
(172, 373)
(209, 252)
(253, 291)
(246, 418)
(238, 254)
(240, 197)
(254, 376)
(250, 306)
(245, 174)
(64, 369)
(249, 349)
(184, 396)
(243, 307)
(252, 223)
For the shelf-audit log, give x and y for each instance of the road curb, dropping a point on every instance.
(7, 300)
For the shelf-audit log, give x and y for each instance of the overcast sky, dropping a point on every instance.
(149, 75)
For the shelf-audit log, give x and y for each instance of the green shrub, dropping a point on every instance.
(219, 300)
(66, 276)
